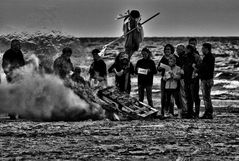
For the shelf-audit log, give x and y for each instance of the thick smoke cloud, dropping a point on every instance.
(43, 97)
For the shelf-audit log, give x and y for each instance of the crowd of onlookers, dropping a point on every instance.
(182, 72)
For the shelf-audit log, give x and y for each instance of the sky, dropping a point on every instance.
(96, 18)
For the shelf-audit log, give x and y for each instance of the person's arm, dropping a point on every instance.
(111, 68)
(136, 67)
(153, 69)
(21, 59)
(5, 63)
(177, 74)
(132, 68)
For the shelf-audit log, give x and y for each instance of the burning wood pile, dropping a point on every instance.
(126, 105)
(118, 105)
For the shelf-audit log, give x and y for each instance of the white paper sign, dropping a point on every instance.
(142, 71)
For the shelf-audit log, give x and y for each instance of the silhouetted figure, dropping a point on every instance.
(63, 65)
(98, 70)
(12, 60)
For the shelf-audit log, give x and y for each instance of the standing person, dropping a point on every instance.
(162, 66)
(120, 67)
(195, 85)
(206, 71)
(12, 60)
(134, 38)
(63, 65)
(180, 50)
(145, 68)
(189, 80)
(172, 77)
(98, 70)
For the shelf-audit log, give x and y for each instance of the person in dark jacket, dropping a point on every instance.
(12, 59)
(145, 68)
(162, 66)
(98, 70)
(189, 80)
(206, 72)
(121, 68)
(63, 65)
(195, 78)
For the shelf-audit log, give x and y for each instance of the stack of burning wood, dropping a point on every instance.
(118, 105)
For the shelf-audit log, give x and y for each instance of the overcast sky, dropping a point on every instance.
(91, 18)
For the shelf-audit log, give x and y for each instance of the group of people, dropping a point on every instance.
(181, 71)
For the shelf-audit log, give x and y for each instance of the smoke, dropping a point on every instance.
(44, 97)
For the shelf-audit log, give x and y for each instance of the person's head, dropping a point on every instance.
(95, 54)
(189, 49)
(193, 42)
(67, 52)
(77, 70)
(171, 60)
(123, 58)
(15, 44)
(180, 49)
(206, 48)
(146, 53)
(135, 14)
(168, 50)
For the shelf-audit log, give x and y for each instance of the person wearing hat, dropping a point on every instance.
(134, 38)
(62, 65)
(98, 70)
(121, 68)
(145, 68)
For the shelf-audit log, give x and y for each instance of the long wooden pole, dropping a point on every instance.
(112, 42)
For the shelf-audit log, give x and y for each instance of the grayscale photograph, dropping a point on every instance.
(126, 80)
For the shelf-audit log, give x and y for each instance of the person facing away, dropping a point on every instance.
(206, 72)
(121, 68)
(12, 59)
(145, 68)
(62, 65)
(162, 66)
(134, 38)
(171, 77)
(98, 70)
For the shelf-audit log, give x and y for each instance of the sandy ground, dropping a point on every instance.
(170, 139)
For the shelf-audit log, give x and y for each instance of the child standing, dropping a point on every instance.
(171, 77)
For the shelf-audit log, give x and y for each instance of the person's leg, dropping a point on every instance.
(168, 95)
(149, 95)
(206, 92)
(162, 96)
(189, 100)
(196, 97)
(182, 97)
(141, 93)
